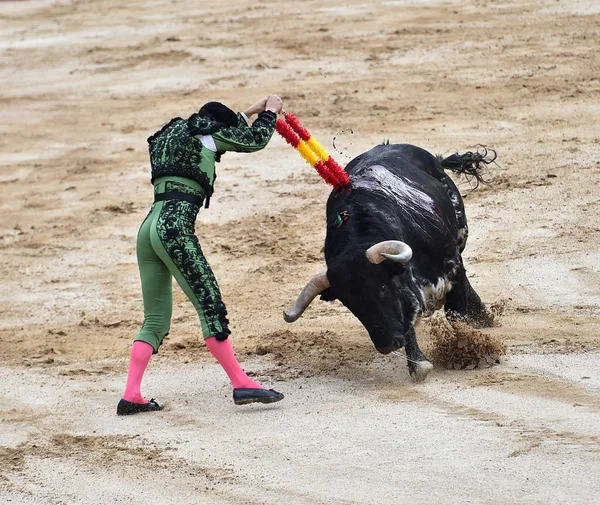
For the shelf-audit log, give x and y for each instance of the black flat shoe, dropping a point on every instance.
(243, 396)
(125, 408)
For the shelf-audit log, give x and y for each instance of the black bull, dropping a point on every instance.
(393, 247)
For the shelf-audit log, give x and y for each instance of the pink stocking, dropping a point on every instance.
(141, 352)
(223, 353)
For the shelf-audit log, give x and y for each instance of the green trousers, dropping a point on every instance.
(167, 247)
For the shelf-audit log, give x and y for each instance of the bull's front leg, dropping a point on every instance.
(418, 364)
(463, 302)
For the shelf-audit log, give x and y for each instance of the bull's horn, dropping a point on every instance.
(393, 250)
(314, 287)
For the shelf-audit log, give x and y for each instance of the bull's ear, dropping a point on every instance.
(327, 295)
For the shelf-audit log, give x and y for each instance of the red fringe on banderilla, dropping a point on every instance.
(315, 155)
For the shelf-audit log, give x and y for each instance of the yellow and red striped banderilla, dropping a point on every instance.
(314, 153)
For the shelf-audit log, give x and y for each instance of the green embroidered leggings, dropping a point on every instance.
(168, 247)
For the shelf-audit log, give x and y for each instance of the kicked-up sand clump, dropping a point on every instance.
(456, 345)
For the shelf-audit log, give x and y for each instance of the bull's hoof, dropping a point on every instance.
(420, 370)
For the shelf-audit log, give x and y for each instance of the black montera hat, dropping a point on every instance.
(219, 112)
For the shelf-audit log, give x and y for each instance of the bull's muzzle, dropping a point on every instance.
(397, 343)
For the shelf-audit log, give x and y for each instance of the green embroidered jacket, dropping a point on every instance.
(176, 149)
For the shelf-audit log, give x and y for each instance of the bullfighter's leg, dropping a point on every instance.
(418, 364)
(463, 303)
(177, 246)
(157, 296)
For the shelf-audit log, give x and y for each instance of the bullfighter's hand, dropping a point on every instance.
(256, 108)
(274, 104)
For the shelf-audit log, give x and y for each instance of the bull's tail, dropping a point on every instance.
(471, 165)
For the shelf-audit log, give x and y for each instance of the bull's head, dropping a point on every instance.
(373, 285)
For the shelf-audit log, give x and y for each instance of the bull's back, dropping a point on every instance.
(399, 159)
(395, 197)
(405, 173)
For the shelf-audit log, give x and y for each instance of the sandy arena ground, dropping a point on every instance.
(84, 83)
